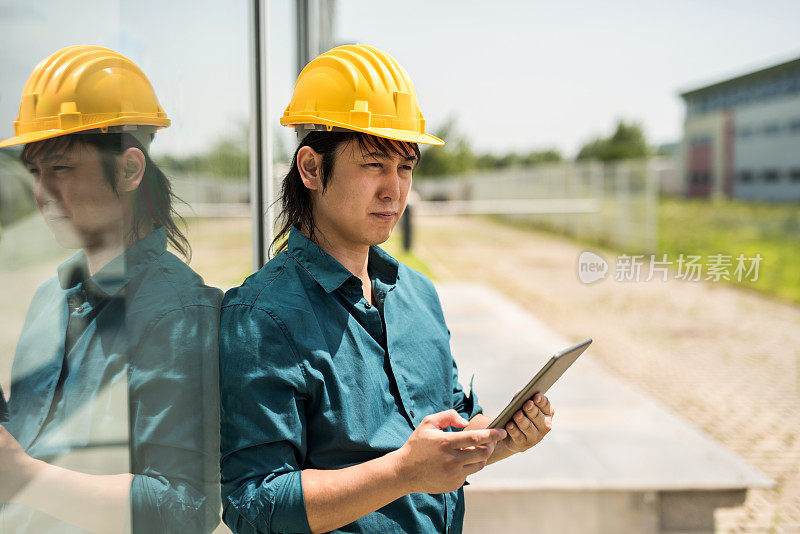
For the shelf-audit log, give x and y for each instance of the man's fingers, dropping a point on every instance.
(472, 455)
(525, 421)
(516, 435)
(473, 438)
(543, 403)
(536, 416)
(445, 419)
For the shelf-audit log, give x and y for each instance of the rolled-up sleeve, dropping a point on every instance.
(263, 428)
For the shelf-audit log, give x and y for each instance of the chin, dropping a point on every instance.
(380, 238)
(66, 237)
(70, 242)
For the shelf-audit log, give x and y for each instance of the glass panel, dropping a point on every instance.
(108, 343)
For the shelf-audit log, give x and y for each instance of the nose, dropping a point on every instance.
(43, 191)
(391, 185)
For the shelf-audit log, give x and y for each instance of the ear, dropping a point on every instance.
(132, 164)
(309, 163)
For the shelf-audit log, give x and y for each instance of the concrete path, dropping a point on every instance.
(607, 437)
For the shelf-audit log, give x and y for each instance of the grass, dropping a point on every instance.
(705, 228)
(727, 227)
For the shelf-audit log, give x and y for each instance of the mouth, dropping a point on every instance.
(56, 218)
(385, 215)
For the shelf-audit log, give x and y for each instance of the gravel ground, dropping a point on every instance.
(725, 358)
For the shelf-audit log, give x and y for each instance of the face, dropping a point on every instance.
(75, 198)
(364, 198)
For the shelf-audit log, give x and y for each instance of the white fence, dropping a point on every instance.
(612, 204)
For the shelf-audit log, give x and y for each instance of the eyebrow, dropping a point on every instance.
(383, 155)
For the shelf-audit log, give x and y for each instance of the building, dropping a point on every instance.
(742, 136)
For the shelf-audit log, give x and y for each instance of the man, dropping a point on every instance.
(337, 383)
(113, 422)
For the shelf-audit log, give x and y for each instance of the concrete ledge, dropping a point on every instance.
(594, 511)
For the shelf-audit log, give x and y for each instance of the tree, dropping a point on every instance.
(455, 157)
(627, 142)
(228, 157)
(458, 157)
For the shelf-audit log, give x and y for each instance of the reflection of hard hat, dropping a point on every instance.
(81, 88)
(360, 88)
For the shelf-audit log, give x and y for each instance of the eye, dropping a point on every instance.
(374, 165)
(58, 168)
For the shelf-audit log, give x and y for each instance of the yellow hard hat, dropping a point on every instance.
(82, 88)
(359, 88)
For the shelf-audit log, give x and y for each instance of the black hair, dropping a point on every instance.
(295, 198)
(154, 198)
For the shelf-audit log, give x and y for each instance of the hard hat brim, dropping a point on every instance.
(41, 135)
(387, 133)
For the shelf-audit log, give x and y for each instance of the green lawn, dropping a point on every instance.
(705, 227)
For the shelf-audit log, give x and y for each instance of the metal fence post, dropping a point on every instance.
(651, 207)
(408, 228)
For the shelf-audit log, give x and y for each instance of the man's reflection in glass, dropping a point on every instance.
(113, 404)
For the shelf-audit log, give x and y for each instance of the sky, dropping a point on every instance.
(513, 75)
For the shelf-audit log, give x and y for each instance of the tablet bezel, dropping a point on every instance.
(542, 381)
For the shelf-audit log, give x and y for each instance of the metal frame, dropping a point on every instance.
(261, 183)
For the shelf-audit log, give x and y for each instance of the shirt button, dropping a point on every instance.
(367, 305)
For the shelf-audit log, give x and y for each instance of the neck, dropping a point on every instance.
(108, 247)
(98, 257)
(354, 258)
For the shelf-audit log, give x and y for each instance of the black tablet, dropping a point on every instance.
(540, 383)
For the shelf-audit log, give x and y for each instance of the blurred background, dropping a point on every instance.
(648, 134)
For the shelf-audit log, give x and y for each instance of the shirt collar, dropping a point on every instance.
(116, 274)
(382, 265)
(329, 273)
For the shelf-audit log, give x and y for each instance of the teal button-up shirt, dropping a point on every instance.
(315, 377)
(118, 372)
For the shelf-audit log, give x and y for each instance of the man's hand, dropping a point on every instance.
(17, 468)
(529, 425)
(435, 461)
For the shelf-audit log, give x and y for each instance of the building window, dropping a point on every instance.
(794, 175)
(745, 177)
(772, 128)
(700, 178)
(745, 132)
(771, 175)
(794, 126)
